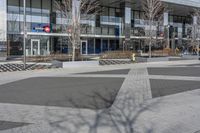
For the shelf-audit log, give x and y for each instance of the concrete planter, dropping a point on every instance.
(159, 59)
(80, 64)
(3, 58)
(153, 59)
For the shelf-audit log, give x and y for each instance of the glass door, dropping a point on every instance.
(84, 47)
(35, 47)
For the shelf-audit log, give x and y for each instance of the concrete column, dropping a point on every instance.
(167, 26)
(166, 19)
(126, 5)
(196, 32)
(75, 8)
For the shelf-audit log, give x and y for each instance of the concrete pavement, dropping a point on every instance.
(133, 110)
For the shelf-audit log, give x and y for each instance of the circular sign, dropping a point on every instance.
(47, 29)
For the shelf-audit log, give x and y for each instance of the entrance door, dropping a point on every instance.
(84, 47)
(35, 47)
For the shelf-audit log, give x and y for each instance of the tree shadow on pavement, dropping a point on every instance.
(117, 117)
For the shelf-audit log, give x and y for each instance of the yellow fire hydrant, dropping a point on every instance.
(133, 57)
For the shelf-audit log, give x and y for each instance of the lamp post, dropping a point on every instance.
(198, 39)
(168, 39)
(24, 35)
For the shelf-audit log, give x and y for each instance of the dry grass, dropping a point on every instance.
(60, 57)
(166, 52)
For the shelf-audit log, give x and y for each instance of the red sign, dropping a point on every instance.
(69, 30)
(47, 29)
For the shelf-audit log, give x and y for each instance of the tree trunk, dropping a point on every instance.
(73, 53)
(150, 43)
(150, 35)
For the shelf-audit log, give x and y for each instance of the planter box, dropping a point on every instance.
(159, 59)
(80, 64)
(153, 59)
(3, 58)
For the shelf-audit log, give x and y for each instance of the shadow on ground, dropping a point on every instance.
(118, 118)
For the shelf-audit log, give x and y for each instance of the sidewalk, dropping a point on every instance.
(134, 110)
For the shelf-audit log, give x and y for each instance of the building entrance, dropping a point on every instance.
(35, 47)
(84, 47)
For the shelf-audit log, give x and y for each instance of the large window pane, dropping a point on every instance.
(13, 2)
(3, 25)
(90, 46)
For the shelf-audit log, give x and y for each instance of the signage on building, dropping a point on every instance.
(75, 9)
(47, 29)
(41, 28)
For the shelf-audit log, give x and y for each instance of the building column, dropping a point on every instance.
(196, 32)
(166, 26)
(126, 13)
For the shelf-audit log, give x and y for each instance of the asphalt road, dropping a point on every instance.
(94, 93)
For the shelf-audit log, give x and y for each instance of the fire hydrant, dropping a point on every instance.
(133, 57)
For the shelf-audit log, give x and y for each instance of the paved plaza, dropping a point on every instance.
(159, 97)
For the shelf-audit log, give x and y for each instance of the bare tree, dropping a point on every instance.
(73, 11)
(153, 10)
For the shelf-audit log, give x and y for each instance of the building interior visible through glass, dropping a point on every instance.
(104, 32)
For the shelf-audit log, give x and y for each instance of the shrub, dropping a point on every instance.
(60, 57)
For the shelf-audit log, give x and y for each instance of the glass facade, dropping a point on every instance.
(107, 31)
(3, 29)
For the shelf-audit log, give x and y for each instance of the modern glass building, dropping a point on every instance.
(120, 21)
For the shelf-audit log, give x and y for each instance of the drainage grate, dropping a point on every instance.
(20, 67)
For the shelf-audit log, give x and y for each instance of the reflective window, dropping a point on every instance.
(90, 48)
(111, 11)
(3, 24)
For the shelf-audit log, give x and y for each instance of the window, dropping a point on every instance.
(136, 15)
(105, 11)
(13, 2)
(111, 11)
(3, 14)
